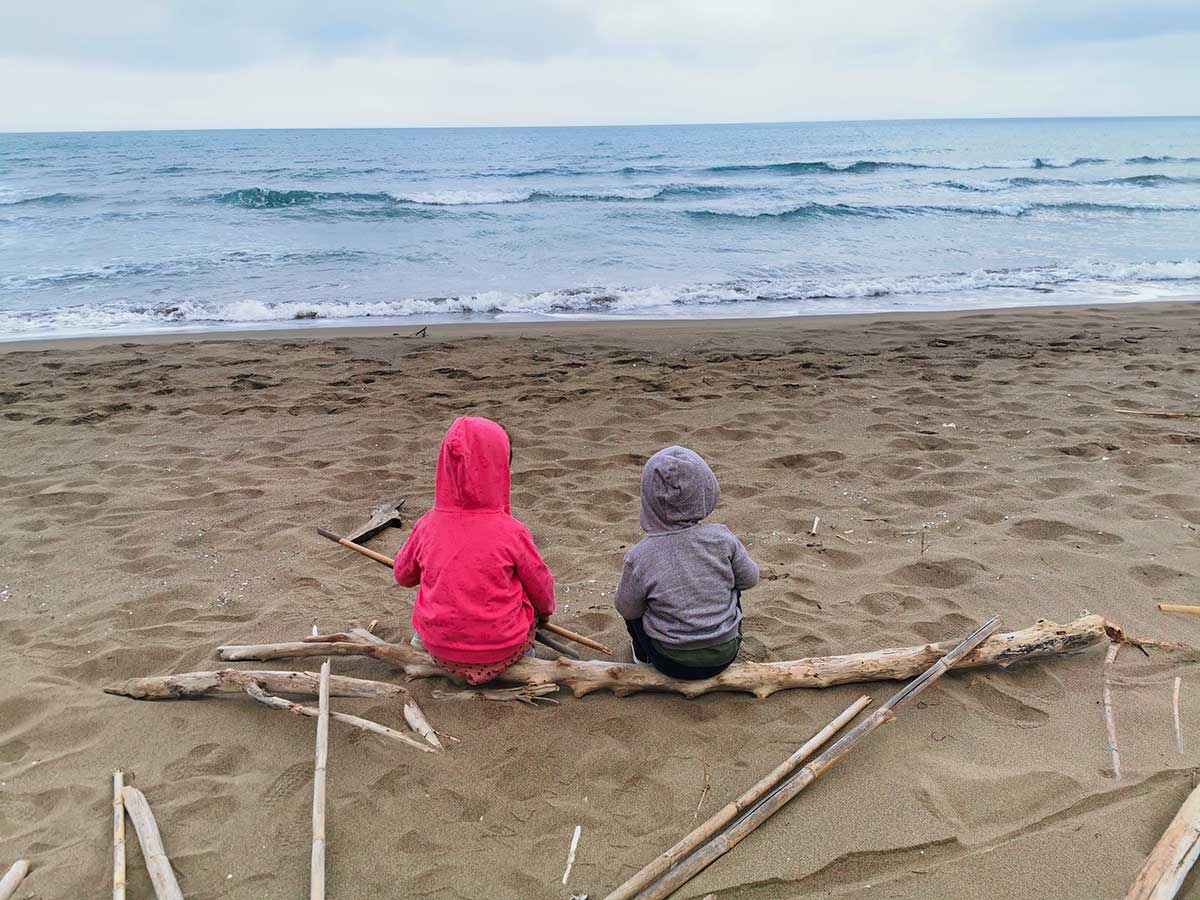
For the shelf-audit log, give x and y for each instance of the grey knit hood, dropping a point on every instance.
(678, 490)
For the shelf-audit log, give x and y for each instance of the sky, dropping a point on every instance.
(133, 64)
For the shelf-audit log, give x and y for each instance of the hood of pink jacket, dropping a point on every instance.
(472, 469)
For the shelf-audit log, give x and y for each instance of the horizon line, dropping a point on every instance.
(982, 118)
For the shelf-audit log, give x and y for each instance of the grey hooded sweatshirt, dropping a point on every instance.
(682, 579)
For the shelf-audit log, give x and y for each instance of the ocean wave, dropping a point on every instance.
(1013, 210)
(1147, 160)
(266, 198)
(173, 268)
(47, 200)
(598, 299)
(1039, 163)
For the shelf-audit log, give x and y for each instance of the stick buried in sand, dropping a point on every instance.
(733, 808)
(13, 877)
(1110, 724)
(547, 626)
(1172, 857)
(162, 876)
(789, 786)
(118, 835)
(317, 869)
(1175, 704)
(1179, 607)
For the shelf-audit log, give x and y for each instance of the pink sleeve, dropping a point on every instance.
(534, 574)
(406, 567)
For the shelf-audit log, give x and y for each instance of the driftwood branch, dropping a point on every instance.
(13, 877)
(526, 693)
(118, 813)
(317, 868)
(1172, 857)
(1175, 704)
(1041, 641)
(200, 684)
(266, 699)
(162, 876)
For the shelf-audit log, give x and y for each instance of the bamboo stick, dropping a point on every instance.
(162, 876)
(1168, 864)
(790, 787)
(1179, 608)
(380, 558)
(1041, 641)
(1110, 724)
(1175, 704)
(200, 684)
(118, 835)
(731, 810)
(253, 690)
(13, 877)
(317, 869)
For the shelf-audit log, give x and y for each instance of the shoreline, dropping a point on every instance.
(461, 330)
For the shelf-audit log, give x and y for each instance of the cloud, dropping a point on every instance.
(143, 64)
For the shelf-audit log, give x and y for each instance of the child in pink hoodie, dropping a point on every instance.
(483, 585)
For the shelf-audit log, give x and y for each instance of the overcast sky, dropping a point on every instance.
(82, 64)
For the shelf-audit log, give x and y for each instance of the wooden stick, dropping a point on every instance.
(731, 810)
(526, 693)
(13, 877)
(415, 717)
(790, 787)
(1175, 703)
(557, 646)
(1110, 724)
(1169, 862)
(1041, 641)
(1159, 414)
(118, 835)
(317, 869)
(1179, 608)
(228, 681)
(380, 558)
(162, 876)
(266, 699)
(357, 548)
(571, 853)
(577, 638)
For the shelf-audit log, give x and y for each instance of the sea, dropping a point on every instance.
(125, 233)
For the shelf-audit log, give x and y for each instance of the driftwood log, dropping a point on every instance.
(13, 877)
(1041, 641)
(234, 681)
(162, 876)
(1172, 858)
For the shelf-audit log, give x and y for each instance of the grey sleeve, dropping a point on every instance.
(745, 570)
(630, 598)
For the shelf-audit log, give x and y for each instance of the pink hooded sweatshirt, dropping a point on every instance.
(482, 580)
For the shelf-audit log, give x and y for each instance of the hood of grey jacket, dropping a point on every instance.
(678, 490)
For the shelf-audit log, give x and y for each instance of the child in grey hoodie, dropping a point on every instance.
(681, 585)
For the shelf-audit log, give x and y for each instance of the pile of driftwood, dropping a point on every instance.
(532, 679)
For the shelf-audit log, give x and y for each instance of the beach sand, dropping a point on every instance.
(160, 498)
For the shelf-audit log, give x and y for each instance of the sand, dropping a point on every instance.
(160, 498)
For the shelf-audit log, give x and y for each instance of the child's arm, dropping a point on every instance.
(534, 575)
(406, 568)
(630, 598)
(745, 570)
